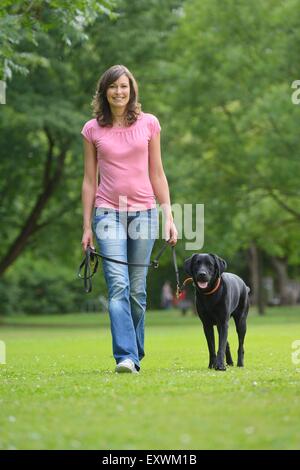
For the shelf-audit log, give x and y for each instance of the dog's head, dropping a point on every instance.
(205, 269)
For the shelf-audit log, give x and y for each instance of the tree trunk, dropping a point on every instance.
(255, 265)
(289, 290)
(31, 224)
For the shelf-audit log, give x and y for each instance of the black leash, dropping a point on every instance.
(178, 288)
(91, 259)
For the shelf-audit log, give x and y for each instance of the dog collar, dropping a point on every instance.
(215, 288)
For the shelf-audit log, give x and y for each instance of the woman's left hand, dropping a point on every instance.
(171, 232)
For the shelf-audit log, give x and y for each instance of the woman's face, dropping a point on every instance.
(118, 93)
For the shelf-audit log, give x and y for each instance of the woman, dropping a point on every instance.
(122, 145)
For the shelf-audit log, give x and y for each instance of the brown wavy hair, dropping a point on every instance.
(100, 104)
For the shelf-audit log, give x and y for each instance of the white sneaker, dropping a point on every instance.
(126, 366)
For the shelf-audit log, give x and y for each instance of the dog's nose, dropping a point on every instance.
(202, 275)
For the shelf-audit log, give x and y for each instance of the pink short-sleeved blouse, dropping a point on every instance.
(123, 162)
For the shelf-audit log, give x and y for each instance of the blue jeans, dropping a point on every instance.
(126, 236)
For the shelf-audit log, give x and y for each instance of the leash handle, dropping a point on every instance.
(86, 263)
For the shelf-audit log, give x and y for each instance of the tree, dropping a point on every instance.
(22, 22)
(231, 87)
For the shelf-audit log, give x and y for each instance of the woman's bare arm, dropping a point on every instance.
(161, 188)
(89, 187)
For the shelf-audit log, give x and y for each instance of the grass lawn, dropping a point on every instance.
(58, 389)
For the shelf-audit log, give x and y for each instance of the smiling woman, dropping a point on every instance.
(115, 102)
(118, 94)
(122, 146)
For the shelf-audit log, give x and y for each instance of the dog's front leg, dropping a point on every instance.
(210, 338)
(223, 335)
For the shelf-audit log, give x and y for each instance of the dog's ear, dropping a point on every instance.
(188, 264)
(220, 263)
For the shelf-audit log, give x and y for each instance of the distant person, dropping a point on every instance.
(122, 147)
(166, 295)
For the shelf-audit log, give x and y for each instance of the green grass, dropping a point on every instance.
(58, 389)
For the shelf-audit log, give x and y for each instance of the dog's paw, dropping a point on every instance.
(230, 364)
(212, 363)
(240, 364)
(221, 367)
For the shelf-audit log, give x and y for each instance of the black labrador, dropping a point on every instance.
(219, 295)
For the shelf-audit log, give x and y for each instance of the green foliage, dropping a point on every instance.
(22, 22)
(241, 154)
(42, 287)
(217, 76)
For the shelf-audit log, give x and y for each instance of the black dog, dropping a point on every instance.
(219, 296)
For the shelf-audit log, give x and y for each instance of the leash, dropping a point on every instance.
(189, 280)
(90, 264)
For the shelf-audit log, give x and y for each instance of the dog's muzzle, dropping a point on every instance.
(202, 280)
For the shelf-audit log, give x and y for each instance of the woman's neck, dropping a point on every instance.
(117, 113)
(118, 119)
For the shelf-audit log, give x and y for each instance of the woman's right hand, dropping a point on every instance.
(87, 239)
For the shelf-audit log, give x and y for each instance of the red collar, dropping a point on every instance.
(215, 288)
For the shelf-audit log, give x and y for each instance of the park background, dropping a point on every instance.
(218, 75)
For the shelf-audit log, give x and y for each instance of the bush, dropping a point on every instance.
(43, 289)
